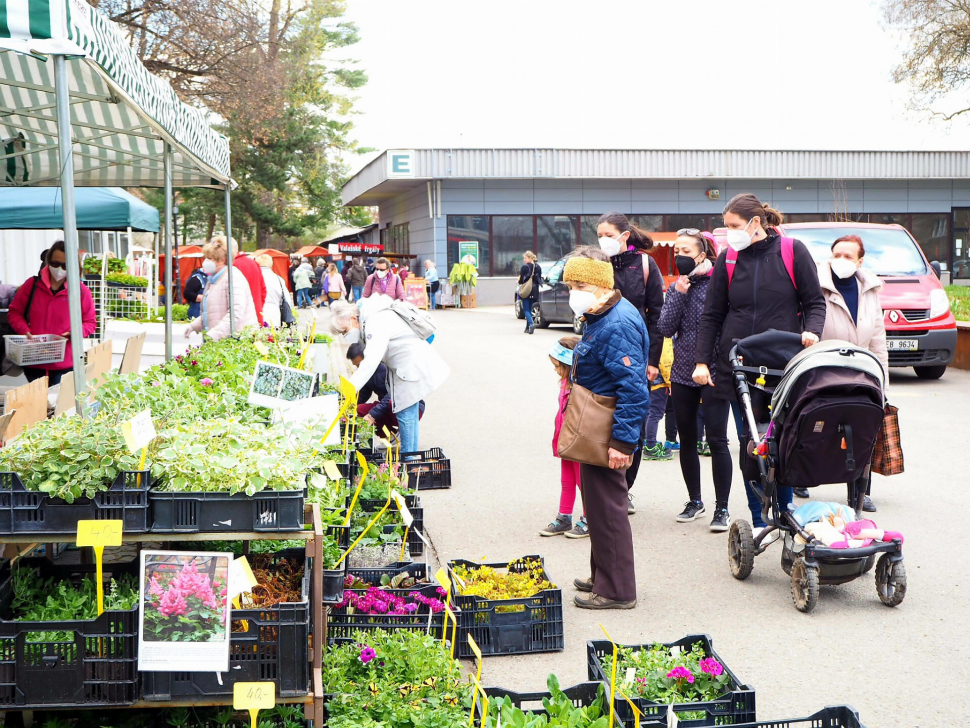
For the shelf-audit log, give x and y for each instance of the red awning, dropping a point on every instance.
(312, 251)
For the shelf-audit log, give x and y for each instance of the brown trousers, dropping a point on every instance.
(611, 538)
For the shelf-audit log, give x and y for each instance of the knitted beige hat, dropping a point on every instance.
(586, 270)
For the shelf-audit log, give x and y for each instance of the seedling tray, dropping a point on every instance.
(429, 470)
(418, 570)
(582, 695)
(413, 502)
(341, 625)
(27, 512)
(509, 626)
(267, 511)
(96, 667)
(273, 648)
(333, 579)
(737, 705)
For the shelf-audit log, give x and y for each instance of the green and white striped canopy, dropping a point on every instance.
(121, 115)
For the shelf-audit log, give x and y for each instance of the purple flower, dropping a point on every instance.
(218, 363)
(681, 673)
(410, 608)
(195, 363)
(711, 666)
(367, 654)
(205, 382)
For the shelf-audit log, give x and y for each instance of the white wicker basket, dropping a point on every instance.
(42, 349)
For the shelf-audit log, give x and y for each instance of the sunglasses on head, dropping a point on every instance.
(55, 264)
(688, 231)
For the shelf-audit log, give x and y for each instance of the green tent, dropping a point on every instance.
(97, 208)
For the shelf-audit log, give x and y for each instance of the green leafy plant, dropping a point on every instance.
(92, 265)
(559, 711)
(125, 279)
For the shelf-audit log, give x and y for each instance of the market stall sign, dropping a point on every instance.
(99, 534)
(363, 248)
(254, 697)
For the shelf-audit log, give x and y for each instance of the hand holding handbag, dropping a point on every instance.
(525, 289)
(887, 455)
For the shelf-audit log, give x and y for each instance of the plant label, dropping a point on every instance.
(254, 696)
(442, 578)
(330, 468)
(402, 507)
(99, 533)
(241, 577)
(672, 719)
(139, 431)
(261, 348)
(475, 649)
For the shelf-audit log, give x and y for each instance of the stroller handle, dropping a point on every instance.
(744, 396)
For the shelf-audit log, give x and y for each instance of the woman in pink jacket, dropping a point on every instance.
(41, 307)
(214, 318)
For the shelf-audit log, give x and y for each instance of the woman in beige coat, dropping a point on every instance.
(852, 309)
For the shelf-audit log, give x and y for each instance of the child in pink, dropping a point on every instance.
(562, 358)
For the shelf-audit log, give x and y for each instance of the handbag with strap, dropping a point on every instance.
(525, 289)
(887, 455)
(286, 313)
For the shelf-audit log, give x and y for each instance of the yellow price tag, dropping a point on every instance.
(612, 678)
(402, 507)
(478, 654)
(441, 576)
(139, 431)
(364, 470)
(254, 697)
(99, 534)
(480, 689)
(347, 389)
(261, 348)
(634, 708)
(454, 628)
(330, 468)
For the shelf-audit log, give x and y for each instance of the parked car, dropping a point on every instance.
(921, 332)
(553, 304)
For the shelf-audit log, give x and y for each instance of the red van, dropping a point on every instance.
(921, 332)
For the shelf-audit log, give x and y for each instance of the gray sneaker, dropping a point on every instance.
(580, 530)
(561, 525)
(692, 509)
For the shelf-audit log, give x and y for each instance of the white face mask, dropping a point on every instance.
(610, 246)
(842, 268)
(381, 273)
(739, 239)
(208, 267)
(581, 301)
(352, 336)
(57, 274)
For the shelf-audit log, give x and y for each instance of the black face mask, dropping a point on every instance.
(685, 264)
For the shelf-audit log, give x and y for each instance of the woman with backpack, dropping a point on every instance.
(194, 288)
(760, 281)
(384, 282)
(530, 275)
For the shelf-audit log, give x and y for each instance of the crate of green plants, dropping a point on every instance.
(365, 608)
(687, 674)
(336, 541)
(413, 503)
(66, 469)
(581, 706)
(269, 640)
(509, 608)
(55, 650)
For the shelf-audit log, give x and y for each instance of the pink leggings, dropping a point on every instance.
(571, 482)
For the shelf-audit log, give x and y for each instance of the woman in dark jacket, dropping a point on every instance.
(638, 278)
(611, 360)
(681, 320)
(761, 295)
(530, 269)
(194, 287)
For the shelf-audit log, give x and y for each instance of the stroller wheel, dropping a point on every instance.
(804, 585)
(890, 580)
(741, 549)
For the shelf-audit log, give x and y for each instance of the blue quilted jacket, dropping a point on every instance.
(611, 360)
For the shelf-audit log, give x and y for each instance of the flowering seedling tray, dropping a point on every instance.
(737, 705)
(273, 647)
(509, 626)
(429, 470)
(96, 666)
(413, 502)
(204, 512)
(27, 512)
(427, 615)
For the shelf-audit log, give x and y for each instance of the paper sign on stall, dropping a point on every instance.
(139, 431)
(241, 578)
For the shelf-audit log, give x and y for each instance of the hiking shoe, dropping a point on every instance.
(583, 585)
(721, 521)
(561, 525)
(657, 452)
(672, 446)
(595, 601)
(868, 506)
(692, 509)
(580, 530)
(801, 493)
(703, 448)
(630, 509)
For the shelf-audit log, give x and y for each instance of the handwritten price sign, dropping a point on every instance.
(139, 431)
(254, 697)
(99, 533)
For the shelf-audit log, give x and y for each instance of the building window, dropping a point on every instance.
(556, 236)
(677, 222)
(397, 239)
(932, 232)
(463, 228)
(512, 235)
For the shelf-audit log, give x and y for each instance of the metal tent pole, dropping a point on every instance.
(168, 252)
(65, 147)
(232, 312)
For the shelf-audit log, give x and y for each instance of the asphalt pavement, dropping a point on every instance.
(906, 666)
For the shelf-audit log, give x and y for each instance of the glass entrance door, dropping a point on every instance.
(961, 243)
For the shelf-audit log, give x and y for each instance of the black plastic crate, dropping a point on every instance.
(267, 511)
(416, 569)
(28, 512)
(833, 716)
(536, 627)
(429, 470)
(273, 648)
(413, 502)
(582, 695)
(97, 667)
(340, 625)
(333, 579)
(737, 705)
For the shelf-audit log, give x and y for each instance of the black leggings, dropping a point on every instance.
(687, 400)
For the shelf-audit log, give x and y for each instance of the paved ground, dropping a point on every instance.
(899, 667)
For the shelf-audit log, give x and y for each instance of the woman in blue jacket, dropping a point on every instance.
(611, 360)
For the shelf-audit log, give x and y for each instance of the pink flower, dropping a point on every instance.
(205, 382)
(172, 604)
(681, 673)
(711, 666)
(367, 654)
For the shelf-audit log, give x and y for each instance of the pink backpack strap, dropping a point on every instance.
(788, 258)
(730, 260)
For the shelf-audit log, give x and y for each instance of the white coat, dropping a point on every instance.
(869, 329)
(276, 292)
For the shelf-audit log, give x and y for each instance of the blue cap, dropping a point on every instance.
(562, 354)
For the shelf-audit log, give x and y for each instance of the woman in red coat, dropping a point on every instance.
(41, 307)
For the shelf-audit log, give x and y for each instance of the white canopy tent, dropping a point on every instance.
(74, 96)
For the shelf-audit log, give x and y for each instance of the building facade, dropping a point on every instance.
(548, 200)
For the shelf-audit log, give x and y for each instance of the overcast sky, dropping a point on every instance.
(655, 74)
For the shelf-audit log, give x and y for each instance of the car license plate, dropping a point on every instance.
(902, 344)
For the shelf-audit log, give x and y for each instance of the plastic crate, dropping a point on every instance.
(333, 579)
(413, 502)
(429, 470)
(537, 627)
(416, 569)
(28, 512)
(341, 626)
(737, 705)
(97, 667)
(268, 510)
(582, 695)
(273, 648)
(41, 349)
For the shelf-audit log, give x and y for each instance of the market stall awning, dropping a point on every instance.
(121, 115)
(98, 208)
(312, 251)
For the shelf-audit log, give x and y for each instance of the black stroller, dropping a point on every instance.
(811, 418)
